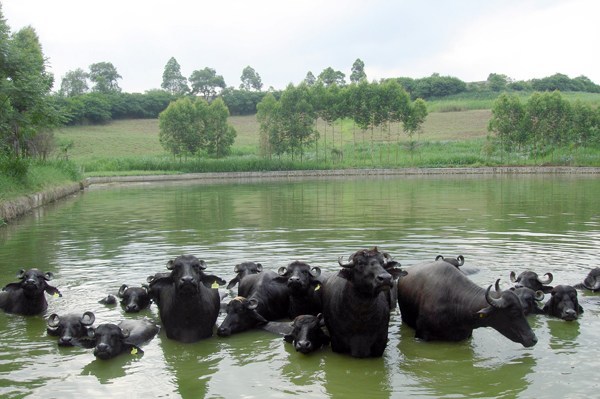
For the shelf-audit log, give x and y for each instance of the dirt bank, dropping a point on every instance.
(10, 210)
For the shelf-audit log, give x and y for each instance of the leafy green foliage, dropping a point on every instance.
(250, 79)
(358, 71)
(172, 79)
(104, 75)
(206, 82)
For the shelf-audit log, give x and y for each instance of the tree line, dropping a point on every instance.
(543, 123)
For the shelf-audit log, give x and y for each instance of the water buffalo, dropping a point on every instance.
(71, 329)
(531, 280)
(307, 333)
(356, 304)
(242, 270)
(111, 340)
(187, 299)
(563, 303)
(441, 303)
(133, 299)
(27, 296)
(261, 298)
(304, 283)
(458, 262)
(592, 281)
(528, 297)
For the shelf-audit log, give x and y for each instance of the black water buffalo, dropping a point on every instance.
(71, 329)
(356, 304)
(242, 270)
(591, 281)
(111, 340)
(563, 303)
(441, 303)
(307, 333)
(133, 299)
(529, 299)
(456, 262)
(261, 298)
(304, 283)
(27, 296)
(531, 280)
(187, 299)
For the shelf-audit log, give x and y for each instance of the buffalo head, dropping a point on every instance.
(242, 270)
(134, 299)
(241, 316)
(563, 303)
(299, 276)
(370, 271)
(531, 280)
(307, 333)
(71, 328)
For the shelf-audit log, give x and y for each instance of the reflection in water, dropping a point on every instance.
(103, 238)
(443, 369)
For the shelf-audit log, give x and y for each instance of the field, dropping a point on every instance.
(139, 137)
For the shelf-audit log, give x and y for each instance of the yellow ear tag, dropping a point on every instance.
(134, 351)
(481, 315)
(318, 287)
(214, 285)
(55, 295)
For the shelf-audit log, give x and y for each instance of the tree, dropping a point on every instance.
(26, 107)
(250, 79)
(219, 135)
(497, 82)
(329, 76)
(507, 120)
(172, 79)
(358, 71)
(310, 79)
(297, 118)
(104, 75)
(268, 119)
(181, 126)
(74, 83)
(206, 82)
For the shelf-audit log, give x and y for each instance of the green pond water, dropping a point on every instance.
(110, 235)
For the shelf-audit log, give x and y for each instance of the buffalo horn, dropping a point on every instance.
(88, 319)
(53, 320)
(461, 260)
(349, 264)
(259, 267)
(282, 270)
(21, 274)
(170, 264)
(202, 264)
(236, 269)
(315, 271)
(539, 295)
(48, 276)
(496, 303)
(513, 277)
(548, 279)
(439, 257)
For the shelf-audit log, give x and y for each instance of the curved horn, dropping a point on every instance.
(252, 303)
(88, 319)
(461, 260)
(439, 257)
(170, 264)
(282, 271)
(548, 279)
(21, 274)
(513, 277)
(236, 269)
(53, 320)
(349, 264)
(259, 267)
(48, 276)
(315, 271)
(539, 295)
(496, 303)
(122, 290)
(497, 286)
(202, 265)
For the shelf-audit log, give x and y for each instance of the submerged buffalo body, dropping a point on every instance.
(441, 303)
(261, 298)
(356, 304)
(27, 296)
(71, 329)
(563, 303)
(531, 280)
(304, 283)
(187, 299)
(111, 340)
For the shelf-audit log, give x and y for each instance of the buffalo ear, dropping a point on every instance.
(212, 281)
(288, 338)
(259, 267)
(88, 319)
(346, 274)
(91, 332)
(233, 282)
(485, 312)
(122, 290)
(48, 276)
(396, 273)
(546, 289)
(315, 271)
(282, 271)
(52, 291)
(21, 274)
(125, 332)
(252, 304)
(170, 264)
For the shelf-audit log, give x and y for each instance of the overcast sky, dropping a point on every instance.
(284, 39)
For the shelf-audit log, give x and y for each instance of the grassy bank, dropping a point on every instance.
(38, 176)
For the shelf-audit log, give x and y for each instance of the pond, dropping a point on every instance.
(112, 235)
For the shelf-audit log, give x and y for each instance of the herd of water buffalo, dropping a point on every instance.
(349, 309)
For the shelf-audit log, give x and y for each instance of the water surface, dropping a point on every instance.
(110, 235)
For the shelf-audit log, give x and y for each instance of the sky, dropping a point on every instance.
(282, 40)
